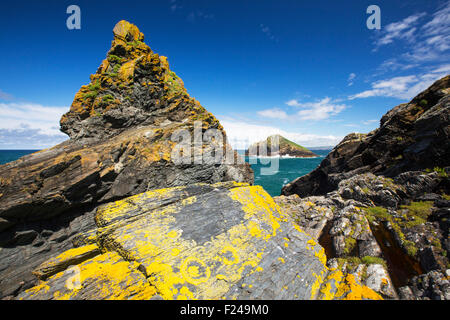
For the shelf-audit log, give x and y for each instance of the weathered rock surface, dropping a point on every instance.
(227, 240)
(277, 145)
(379, 202)
(120, 127)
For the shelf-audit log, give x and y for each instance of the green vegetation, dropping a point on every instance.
(107, 98)
(112, 74)
(93, 90)
(94, 86)
(440, 171)
(446, 196)
(115, 59)
(135, 43)
(368, 260)
(91, 94)
(352, 262)
(350, 244)
(388, 183)
(410, 248)
(377, 212)
(365, 190)
(417, 213)
(436, 243)
(423, 103)
(174, 83)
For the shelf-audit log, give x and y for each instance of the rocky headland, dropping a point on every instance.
(379, 203)
(109, 214)
(277, 145)
(120, 128)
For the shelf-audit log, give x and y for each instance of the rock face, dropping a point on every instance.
(277, 145)
(227, 240)
(122, 128)
(412, 136)
(383, 199)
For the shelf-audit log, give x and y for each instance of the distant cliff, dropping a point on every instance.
(285, 147)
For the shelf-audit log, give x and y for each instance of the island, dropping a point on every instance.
(287, 148)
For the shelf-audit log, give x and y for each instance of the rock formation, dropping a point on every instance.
(383, 198)
(222, 241)
(412, 136)
(109, 214)
(277, 145)
(120, 128)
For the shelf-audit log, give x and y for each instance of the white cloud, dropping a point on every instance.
(266, 30)
(369, 122)
(30, 124)
(319, 110)
(440, 24)
(406, 87)
(399, 30)
(424, 42)
(274, 113)
(241, 134)
(350, 79)
(5, 96)
(293, 103)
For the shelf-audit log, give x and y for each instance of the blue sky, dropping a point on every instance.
(310, 70)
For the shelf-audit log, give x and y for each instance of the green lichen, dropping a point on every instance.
(368, 260)
(115, 59)
(423, 103)
(374, 213)
(107, 98)
(438, 170)
(418, 212)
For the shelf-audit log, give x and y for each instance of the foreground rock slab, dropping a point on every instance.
(221, 241)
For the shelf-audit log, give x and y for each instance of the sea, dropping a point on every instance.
(12, 155)
(288, 168)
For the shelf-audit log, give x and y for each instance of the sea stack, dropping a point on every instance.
(285, 147)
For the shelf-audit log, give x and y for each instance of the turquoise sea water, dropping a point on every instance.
(11, 155)
(289, 169)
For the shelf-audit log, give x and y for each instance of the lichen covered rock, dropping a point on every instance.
(221, 241)
(121, 127)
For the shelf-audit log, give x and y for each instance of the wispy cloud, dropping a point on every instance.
(405, 87)
(350, 79)
(274, 113)
(5, 96)
(404, 30)
(425, 37)
(196, 15)
(190, 14)
(369, 122)
(266, 30)
(27, 124)
(318, 110)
